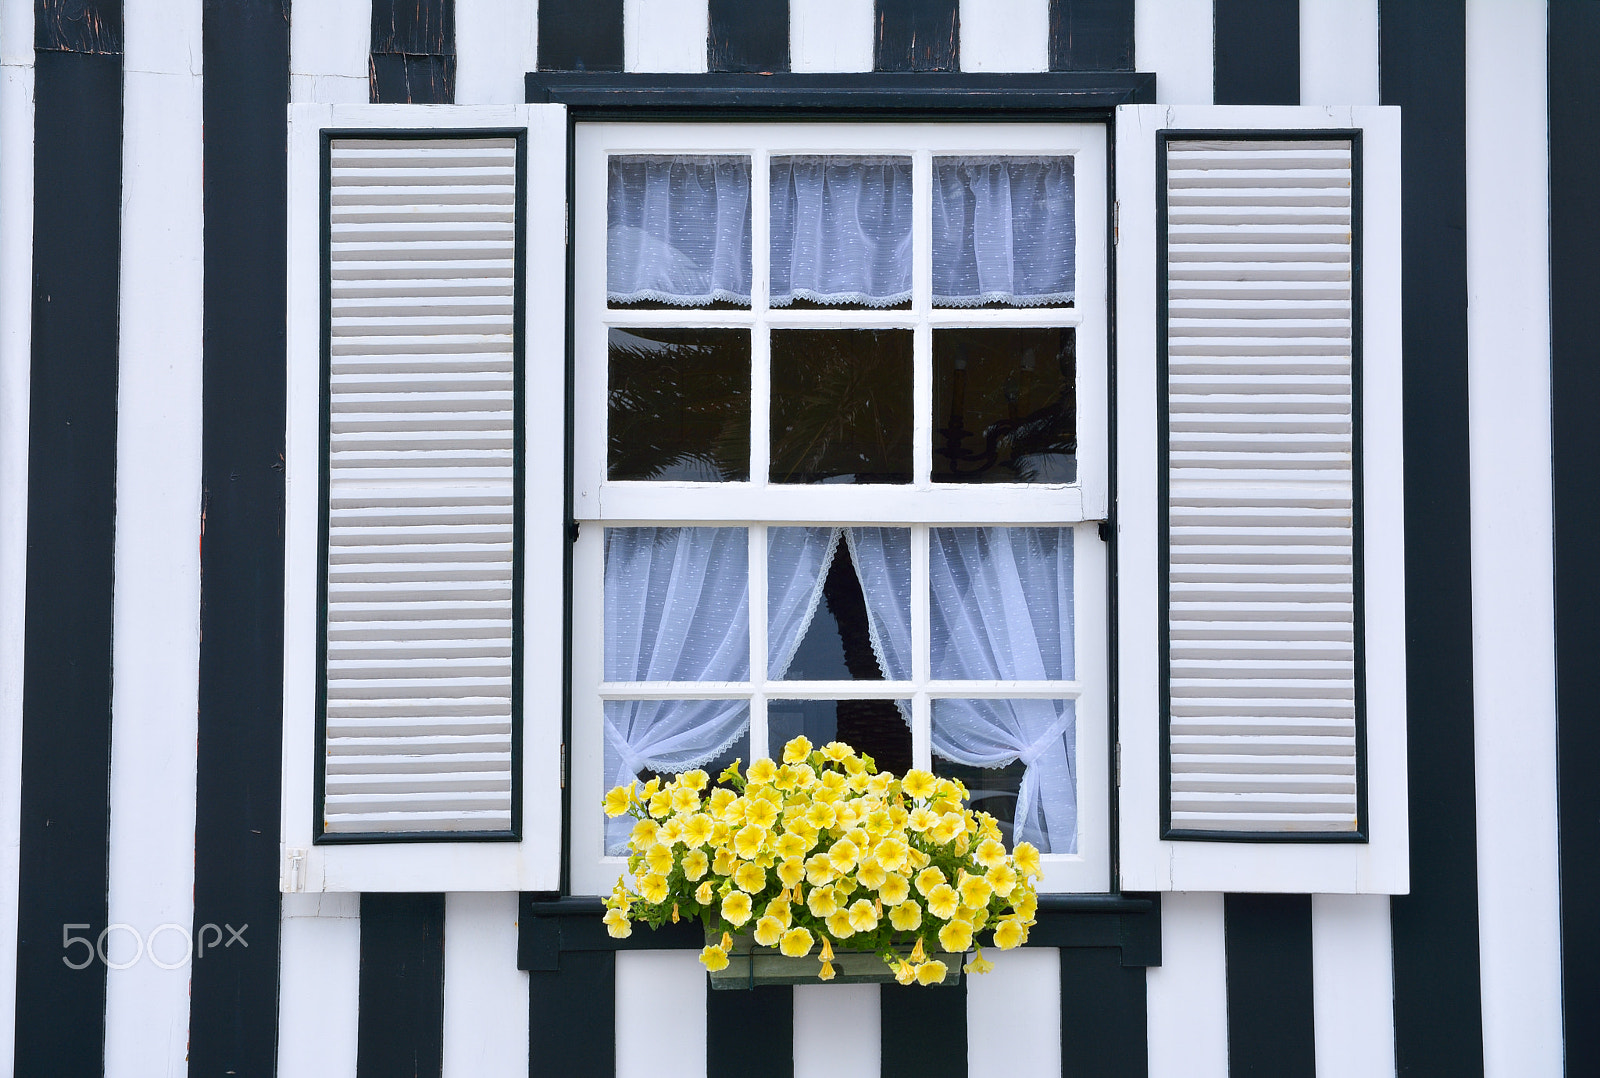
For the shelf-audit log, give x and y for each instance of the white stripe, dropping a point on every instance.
(661, 1014)
(1339, 52)
(319, 985)
(1173, 39)
(1512, 605)
(496, 46)
(837, 1030)
(1353, 984)
(156, 633)
(1005, 35)
(485, 994)
(830, 35)
(328, 46)
(1014, 1014)
(664, 35)
(1187, 995)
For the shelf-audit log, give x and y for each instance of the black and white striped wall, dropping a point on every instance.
(142, 293)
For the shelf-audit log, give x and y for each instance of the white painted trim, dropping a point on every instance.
(485, 994)
(1338, 52)
(319, 986)
(837, 1030)
(1381, 865)
(1187, 995)
(1352, 975)
(16, 327)
(830, 35)
(156, 638)
(1173, 38)
(1005, 35)
(497, 44)
(1014, 1015)
(328, 47)
(664, 35)
(1513, 613)
(661, 1014)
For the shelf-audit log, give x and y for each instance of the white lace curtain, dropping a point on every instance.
(679, 230)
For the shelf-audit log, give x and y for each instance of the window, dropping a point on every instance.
(840, 447)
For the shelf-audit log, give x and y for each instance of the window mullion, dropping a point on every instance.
(758, 642)
(921, 708)
(921, 305)
(760, 333)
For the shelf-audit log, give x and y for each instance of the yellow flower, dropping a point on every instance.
(949, 826)
(955, 937)
(931, 972)
(1009, 933)
(736, 908)
(650, 789)
(805, 778)
(685, 800)
(822, 902)
(1027, 858)
(797, 750)
(618, 800)
(653, 888)
(644, 833)
(863, 918)
(791, 871)
(768, 930)
(943, 902)
(832, 780)
(835, 751)
(844, 886)
(723, 863)
(826, 972)
(891, 854)
(918, 784)
(922, 818)
(976, 918)
(821, 815)
(703, 894)
(762, 772)
(714, 958)
(839, 925)
(618, 925)
(1003, 878)
(928, 879)
(990, 853)
(980, 964)
(695, 865)
(846, 816)
(796, 943)
(906, 917)
(761, 813)
(750, 877)
(729, 773)
(805, 830)
(842, 855)
(899, 816)
(695, 780)
(918, 956)
(975, 892)
(697, 830)
(659, 859)
(818, 870)
(718, 802)
(660, 804)
(854, 765)
(858, 783)
(733, 811)
(904, 973)
(785, 779)
(894, 889)
(779, 908)
(879, 784)
(988, 826)
(826, 954)
(747, 842)
(790, 845)
(671, 832)
(878, 823)
(1026, 905)
(871, 874)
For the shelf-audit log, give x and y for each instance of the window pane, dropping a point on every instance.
(995, 747)
(678, 231)
(1003, 231)
(677, 604)
(1001, 603)
(841, 231)
(839, 603)
(679, 404)
(646, 738)
(880, 729)
(841, 406)
(1004, 406)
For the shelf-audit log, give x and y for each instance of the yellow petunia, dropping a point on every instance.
(671, 832)
(768, 930)
(822, 902)
(796, 943)
(878, 823)
(899, 816)
(653, 888)
(660, 804)
(697, 830)
(948, 829)
(804, 777)
(839, 925)
(786, 778)
(871, 874)
(854, 765)
(644, 833)
(956, 937)
(719, 799)
(833, 780)
(928, 879)
(685, 800)
(714, 958)
(990, 853)
(618, 925)
(1027, 858)
(1009, 933)
(703, 894)
(762, 772)
(730, 773)
(894, 889)
(821, 815)
(842, 855)
(724, 862)
(1026, 905)
(790, 845)
(736, 908)
(891, 854)
(835, 751)
(943, 902)
(779, 908)
(975, 892)
(1003, 878)
(863, 918)
(979, 964)
(818, 870)
(695, 865)
(904, 973)
(931, 972)
(922, 818)
(619, 800)
(826, 972)
(658, 858)
(797, 750)
(919, 784)
(750, 877)
(761, 813)
(791, 871)
(748, 840)
(695, 780)
(858, 783)
(733, 811)
(879, 784)
(906, 917)
(845, 816)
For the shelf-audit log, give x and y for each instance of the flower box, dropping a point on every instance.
(750, 966)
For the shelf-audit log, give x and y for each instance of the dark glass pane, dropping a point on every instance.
(679, 404)
(992, 789)
(837, 646)
(879, 728)
(841, 406)
(1004, 406)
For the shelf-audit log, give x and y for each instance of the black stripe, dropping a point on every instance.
(1104, 1023)
(1091, 35)
(87, 26)
(748, 35)
(400, 1023)
(1256, 53)
(924, 1028)
(580, 35)
(413, 55)
(916, 35)
(72, 473)
(1437, 1010)
(750, 1032)
(572, 1016)
(234, 990)
(1575, 391)
(1271, 1020)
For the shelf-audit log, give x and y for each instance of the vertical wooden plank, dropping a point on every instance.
(837, 1031)
(572, 1017)
(1338, 52)
(400, 1023)
(413, 57)
(1257, 52)
(1352, 986)
(321, 985)
(1091, 35)
(1173, 38)
(1186, 996)
(748, 35)
(925, 1028)
(1005, 35)
(1271, 1019)
(831, 35)
(1104, 1026)
(1015, 1015)
(917, 35)
(664, 35)
(750, 1034)
(485, 994)
(90, 27)
(580, 35)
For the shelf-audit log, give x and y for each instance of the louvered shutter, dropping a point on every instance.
(1262, 704)
(426, 457)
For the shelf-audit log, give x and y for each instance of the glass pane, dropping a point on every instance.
(1005, 406)
(841, 231)
(679, 404)
(879, 728)
(678, 231)
(666, 737)
(839, 603)
(841, 406)
(1003, 231)
(677, 604)
(983, 743)
(1001, 603)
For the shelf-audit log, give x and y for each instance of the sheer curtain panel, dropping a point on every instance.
(1002, 231)
(678, 230)
(841, 230)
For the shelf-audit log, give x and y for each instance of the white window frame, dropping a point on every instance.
(599, 503)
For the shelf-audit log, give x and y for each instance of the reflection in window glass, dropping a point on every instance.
(1003, 231)
(841, 406)
(1004, 406)
(994, 737)
(679, 404)
(678, 231)
(841, 231)
(877, 728)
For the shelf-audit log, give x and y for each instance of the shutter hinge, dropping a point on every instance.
(563, 775)
(1116, 222)
(294, 870)
(572, 531)
(1103, 529)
